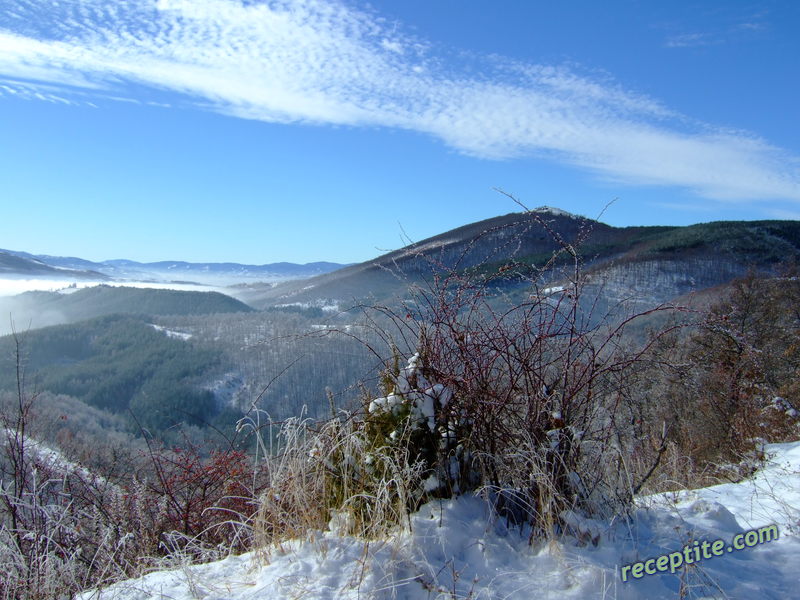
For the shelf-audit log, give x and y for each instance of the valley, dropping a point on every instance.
(540, 328)
(286, 345)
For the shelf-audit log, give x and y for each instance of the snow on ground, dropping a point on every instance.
(52, 458)
(556, 212)
(325, 305)
(171, 333)
(552, 290)
(455, 550)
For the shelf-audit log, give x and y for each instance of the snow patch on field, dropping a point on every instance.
(457, 549)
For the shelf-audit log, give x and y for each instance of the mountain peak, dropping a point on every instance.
(556, 212)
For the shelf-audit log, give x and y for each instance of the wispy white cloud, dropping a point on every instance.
(751, 26)
(35, 91)
(735, 26)
(319, 61)
(691, 40)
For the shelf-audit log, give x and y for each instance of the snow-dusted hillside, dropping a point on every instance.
(456, 550)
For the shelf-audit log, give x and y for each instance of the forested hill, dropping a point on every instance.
(118, 363)
(670, 260)
(39, 309)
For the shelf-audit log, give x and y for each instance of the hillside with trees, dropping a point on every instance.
(120, 364)
(40, 309)
(556, 408)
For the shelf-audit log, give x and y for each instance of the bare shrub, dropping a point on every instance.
(728, 384)
(518, 397)
(65, 528)
(51, 542)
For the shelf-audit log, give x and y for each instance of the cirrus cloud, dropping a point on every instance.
(323, 62)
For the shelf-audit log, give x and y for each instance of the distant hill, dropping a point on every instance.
(650, 264)
(643, 264)
(167, 271)
(40, 309)
(20, 265)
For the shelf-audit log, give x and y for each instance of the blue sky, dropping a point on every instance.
(223, 130)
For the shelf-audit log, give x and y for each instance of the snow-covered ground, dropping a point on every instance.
(327, 305)
(52, 458)
(455, 550)
(171, 333)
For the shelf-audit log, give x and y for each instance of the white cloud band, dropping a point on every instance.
(323, 62)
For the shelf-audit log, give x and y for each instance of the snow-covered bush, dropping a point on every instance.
(414, 414)
(515, 396)
(363, 473)
(331, 477)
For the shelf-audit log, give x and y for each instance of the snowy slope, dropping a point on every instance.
(455, 550)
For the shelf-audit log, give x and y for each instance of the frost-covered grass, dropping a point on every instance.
(457, 549)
